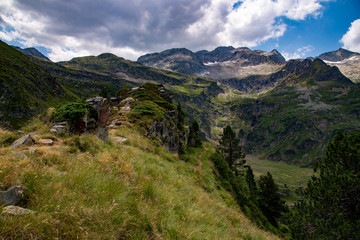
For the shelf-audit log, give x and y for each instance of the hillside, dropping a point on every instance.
(300, 112)
(129, 187)
(221, 63)
(133, 190)
(194, 93)
(25, 88)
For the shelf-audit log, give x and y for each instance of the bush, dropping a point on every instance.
(70, 112)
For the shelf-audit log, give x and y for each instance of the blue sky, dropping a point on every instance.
(317, 35)
(296, 28)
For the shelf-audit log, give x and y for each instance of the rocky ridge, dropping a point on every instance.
(222, 62)
(348, 62)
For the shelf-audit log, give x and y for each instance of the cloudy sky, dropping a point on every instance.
(63, 29)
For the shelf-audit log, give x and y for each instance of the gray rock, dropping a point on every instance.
(20, 155)
(60, 127)
(12, 196)
(100, 111)
(15, 210)
(46, 141)
(120, 139)
(127, 100)
(126, 108)
(103, 134)
(25, 140)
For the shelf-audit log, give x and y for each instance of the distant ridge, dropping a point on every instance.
(32, 52)
(221, 63)
(338, 55)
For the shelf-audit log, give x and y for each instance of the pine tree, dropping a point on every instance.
(250, 180)
(229, 146)
(331, 209)
(269, 199)
(194, 137)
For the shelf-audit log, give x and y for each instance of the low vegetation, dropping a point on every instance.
(85, 188)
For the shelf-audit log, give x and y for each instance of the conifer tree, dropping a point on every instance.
(229, 146)
(250, 180)
(269, 199)
(194, 137)
(331, 209)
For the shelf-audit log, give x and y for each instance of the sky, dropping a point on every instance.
(64, 29)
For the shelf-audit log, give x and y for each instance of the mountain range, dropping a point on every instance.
(282, 110)
(221, 63)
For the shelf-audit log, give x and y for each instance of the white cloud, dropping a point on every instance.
(131, 28)
(251, 22)
(300, 53)
(351, 39)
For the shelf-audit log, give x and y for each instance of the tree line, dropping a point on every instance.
(330, 208)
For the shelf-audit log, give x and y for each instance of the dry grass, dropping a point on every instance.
(133, 190)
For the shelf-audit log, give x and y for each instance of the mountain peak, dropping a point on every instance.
(32, 52)
(338, 55)
(107, 55)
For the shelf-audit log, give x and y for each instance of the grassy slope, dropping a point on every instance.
(126, 191)
(25, 89)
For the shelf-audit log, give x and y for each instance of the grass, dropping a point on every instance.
(288, 177)
(107, 190)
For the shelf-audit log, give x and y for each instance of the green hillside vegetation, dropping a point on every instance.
(290, 178)
(293, 121)
(25, 88)
(85, 188)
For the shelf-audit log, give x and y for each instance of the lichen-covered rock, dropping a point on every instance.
(12, 196)
(46, 141)
(16, 210)
(25, 140)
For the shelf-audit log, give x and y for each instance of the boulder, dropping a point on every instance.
(103, 134)
(46, 141)
(127, 100)
(12, 196)
(15, 210)
(120, 139)
(20, 155)
(100, 111)
(60, 127)
(25, 140)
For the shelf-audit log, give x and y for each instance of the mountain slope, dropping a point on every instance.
(221, 63)
(348, 62)
(84, 188)
(25, 89)
(194, 93)
(308, 103)
(32, 52)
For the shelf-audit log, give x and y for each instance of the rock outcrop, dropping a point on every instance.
(168, 134)
(25, 140)
(95, 119)
(12, 196)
